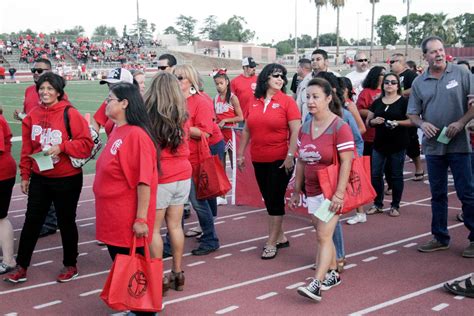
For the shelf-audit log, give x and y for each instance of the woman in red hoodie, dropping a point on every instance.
(44, 130)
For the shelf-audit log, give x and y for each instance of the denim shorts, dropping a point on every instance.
(174, 193)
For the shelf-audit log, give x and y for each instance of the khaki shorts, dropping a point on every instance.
(174, 193)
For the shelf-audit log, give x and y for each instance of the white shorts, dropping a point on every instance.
(173, 193)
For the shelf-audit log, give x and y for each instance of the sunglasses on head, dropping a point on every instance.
(392, 82)
(37, 70)
(162, 67)
(392, 62)
(362, 60)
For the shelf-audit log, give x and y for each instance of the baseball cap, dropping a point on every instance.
(248, 61)
(118, 75)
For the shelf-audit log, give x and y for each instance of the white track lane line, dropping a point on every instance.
(47, 304)
(11, 314)
(439, 307)
(248, 249)
(404, 297)
(294, 286)
(196, 263)
(459, 297)
(90, 293)
(265, 296)
(370, 259)
(227, 310)
(350, 266)
(390, 252)
(410, 245)
(42, 263)
(85, 225)
(223, 256)
(238, 218)
(298, 235)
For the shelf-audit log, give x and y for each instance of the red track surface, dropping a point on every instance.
(386, 274)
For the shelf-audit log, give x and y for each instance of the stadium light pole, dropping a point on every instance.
(358, 38)
(296, 32)
(407, 36)
(138, 23)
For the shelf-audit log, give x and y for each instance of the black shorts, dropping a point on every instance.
(413, 149)
(272, 182)
(6, 189)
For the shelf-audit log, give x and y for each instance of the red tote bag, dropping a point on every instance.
(134, 282)
(210, 177)
(359, 189)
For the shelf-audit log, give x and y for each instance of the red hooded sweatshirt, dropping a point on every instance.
(44, 126)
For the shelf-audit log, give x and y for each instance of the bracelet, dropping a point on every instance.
(140, 220)
(290, 155)
(339, 197)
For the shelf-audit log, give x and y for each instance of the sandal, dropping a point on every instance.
(374, 210)
(193, 232)
(456, 288)
(269, 252)
(419, 176)
(284, 244)
(394, 212)
(340, 265)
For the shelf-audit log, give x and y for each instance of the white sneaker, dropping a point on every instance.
(358, 218)
(221, 201)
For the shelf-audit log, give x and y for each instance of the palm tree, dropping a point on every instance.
(337, 4)
(372, 27)
(407, 36)
(319, 4)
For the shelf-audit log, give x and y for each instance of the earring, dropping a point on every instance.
(192, 90)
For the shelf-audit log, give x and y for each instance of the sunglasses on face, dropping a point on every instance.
(390, 82)
(277, 76)
(362, 60)
(38, 70)
(393, 62)
(162, 67)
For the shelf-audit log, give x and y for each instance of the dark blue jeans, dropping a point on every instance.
(460, 165)
(397, 161)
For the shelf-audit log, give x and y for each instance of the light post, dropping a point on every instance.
(358, 15)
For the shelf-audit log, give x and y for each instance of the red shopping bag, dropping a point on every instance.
(134, 282)
(209, 176)
(359, 189)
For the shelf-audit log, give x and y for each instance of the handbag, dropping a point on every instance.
(209, 176)
(359, 189)
(134, 282)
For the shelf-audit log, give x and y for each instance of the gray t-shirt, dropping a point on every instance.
(442, 102)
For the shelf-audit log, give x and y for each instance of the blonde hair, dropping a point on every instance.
(166, 107)
(190, 73)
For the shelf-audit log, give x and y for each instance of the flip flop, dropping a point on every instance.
(285, 244)
(419, 176)
(457, 289)
(193, 232)
(269, 252)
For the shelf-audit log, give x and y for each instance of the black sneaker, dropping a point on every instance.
(312, 291)
(332, 279)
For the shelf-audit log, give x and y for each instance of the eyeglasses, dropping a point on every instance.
(38, 70)
(362, 60)
(390, 82)
(180, 78)
(162, 67)
(392, 62)
(108, 100)
(277, 76)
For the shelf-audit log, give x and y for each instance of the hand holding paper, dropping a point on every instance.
(44, 161)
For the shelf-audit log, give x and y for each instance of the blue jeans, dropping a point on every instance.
(203, 210)
(397, 161)
(460, 165)
(338, 240)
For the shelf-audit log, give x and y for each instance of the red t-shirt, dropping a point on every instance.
(175, 166)
(364, 102)
(7, 163)
(32, 99)
(318, 153)
(44, 126)
(2, 71)
(128, 159)
(224, 110)
(102, 119)
(269, 129)
(201, 115)
(244, 88)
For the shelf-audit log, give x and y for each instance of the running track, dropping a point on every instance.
(385, 275)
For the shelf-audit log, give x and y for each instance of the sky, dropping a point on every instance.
(270, 19)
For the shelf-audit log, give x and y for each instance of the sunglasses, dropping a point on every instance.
(162, 67)
(362, 60)
(392, 62)
(392, 82)
(278, 76)
(38, 70)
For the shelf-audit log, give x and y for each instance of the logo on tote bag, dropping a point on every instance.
(354, 185)
(137, 285)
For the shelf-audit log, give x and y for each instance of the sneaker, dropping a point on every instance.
(221, 201)
(388, 192)
(358, 218)
(394, 212)
(5, 268)
(16, 276)
(433, 245)
(332, 279)
(67, 274)
(312, 291)
(374, 210)
(460, 217)
(469, 251)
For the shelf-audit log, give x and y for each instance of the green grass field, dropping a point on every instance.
(86, 96)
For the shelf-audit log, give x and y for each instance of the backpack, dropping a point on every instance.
(79, 162)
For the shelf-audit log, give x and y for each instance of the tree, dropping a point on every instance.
(102, 31)
(209, 29)
(285, 47)
(186, 25)
(170, 30)
(415, 28)
(318, 4)
(152, 28)
(141, 30)
(464, 25)
(124, 32)
(329, 39)
(386, 30)
(337, 4)
(305, 41)
(233, 30)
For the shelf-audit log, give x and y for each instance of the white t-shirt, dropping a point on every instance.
(301, 99)
(357, 78)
